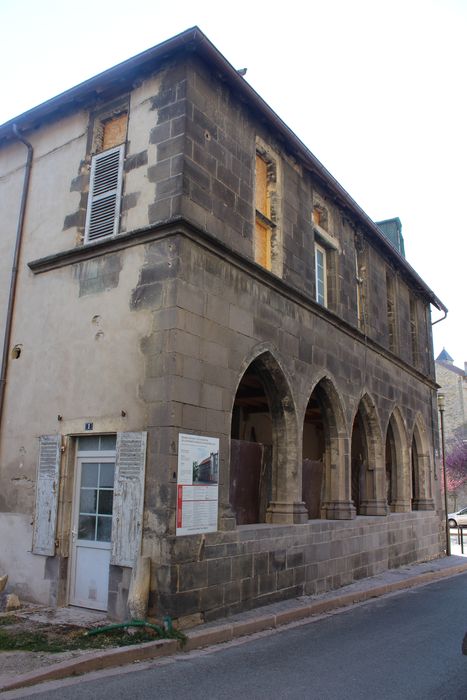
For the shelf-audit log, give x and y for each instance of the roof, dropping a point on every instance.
(444, 356)
(193, 40)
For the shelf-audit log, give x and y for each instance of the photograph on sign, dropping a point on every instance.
(198, 484)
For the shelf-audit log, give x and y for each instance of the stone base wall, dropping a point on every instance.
(223, 573)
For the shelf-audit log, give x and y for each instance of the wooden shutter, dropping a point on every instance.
(128, 504)
(104, 194)
(47, 482)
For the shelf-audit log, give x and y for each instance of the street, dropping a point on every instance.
(402, 646)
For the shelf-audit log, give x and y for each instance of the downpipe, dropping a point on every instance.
(14, 269)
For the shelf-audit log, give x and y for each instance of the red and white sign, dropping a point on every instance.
(198, 484)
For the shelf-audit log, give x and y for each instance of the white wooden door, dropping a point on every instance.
(92, 531)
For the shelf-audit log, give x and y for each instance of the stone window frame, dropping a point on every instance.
(325, 240)
(101, 116)
(391, 310)
(273, 220)
(361, 279)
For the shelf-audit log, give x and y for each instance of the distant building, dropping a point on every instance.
(453, 383)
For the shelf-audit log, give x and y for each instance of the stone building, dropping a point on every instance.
(453, 384)
(213, 358)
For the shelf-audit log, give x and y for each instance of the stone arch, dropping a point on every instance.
(367, 464)
(264, 413)
(420, 460)
(397, 464)
(324, 446)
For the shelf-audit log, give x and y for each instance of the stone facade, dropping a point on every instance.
(453, 384)
(174, 326)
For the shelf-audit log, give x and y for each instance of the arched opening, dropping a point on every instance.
(359, 457)
(421, 496)
(397, 470)
(251, 450)
(313, 455)
(414, 476)
(264, 468)
(368, 483)
(323, 454)
(391, 466)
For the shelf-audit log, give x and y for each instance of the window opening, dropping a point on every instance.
(414, 331)
(320, 275)
(391, 312)
(263, 224)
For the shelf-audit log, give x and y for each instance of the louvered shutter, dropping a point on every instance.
(45, 519)
(104, 194)
(128, 503)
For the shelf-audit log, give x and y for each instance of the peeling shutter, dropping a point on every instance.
(127, 519)
(48, 471)
(104, 194)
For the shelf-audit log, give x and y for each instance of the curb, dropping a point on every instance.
(200, 638)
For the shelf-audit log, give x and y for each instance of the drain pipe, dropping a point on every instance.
(14, 269)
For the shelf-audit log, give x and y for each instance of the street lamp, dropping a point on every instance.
(443, 459)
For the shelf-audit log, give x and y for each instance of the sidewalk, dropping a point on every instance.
(22, 669)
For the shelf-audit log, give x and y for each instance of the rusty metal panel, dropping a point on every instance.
(128, 504)
(47, 482)
(249, 480)
(312, 482)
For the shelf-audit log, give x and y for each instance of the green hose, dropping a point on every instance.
(123, 625)
(166, 632)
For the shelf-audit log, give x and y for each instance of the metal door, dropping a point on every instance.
(92, 532)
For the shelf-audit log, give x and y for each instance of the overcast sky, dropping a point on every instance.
(376, 89)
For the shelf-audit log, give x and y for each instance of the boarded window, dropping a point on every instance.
(263, 224)
(104, 195)
(47, 483)
(128, 503)
(114, 131)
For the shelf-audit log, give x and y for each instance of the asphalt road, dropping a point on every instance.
(402, 646)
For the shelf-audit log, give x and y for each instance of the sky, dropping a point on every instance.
(376, 89)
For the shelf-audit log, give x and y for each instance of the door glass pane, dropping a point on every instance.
(105, 502)
(86, 527)
(88, 501)
(87, 443)
(108, 442)
(89, 474)
(104, 528)
(107, 475)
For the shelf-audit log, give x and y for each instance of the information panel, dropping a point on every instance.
(198, 484)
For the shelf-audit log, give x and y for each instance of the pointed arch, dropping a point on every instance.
(264, 456)
(367, 473)
(397, 464)
(420, 460)
(324, 447)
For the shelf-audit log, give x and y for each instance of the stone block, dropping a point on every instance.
(277, 560)
(219, 571)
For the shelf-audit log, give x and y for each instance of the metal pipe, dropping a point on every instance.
(443, 457)
(14, 269)
(433, 323)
